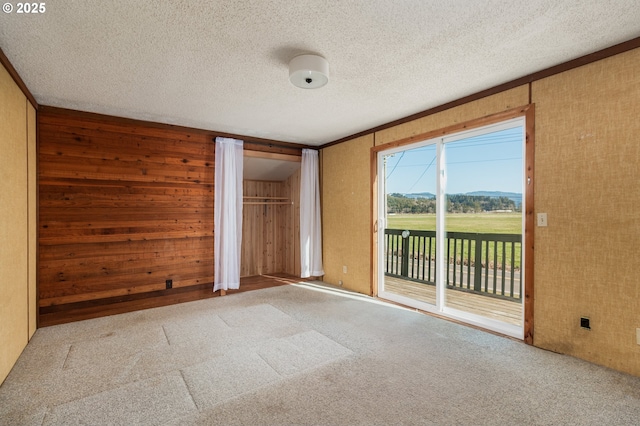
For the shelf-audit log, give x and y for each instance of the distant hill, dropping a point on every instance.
(475, 202)
(420, 195)
(495, 194)
(517, 198)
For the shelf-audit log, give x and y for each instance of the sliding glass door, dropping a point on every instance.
(450, 239)
(408, 210)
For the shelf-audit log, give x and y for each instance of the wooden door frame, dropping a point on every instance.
(528, 112)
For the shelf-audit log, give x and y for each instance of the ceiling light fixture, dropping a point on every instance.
(309, 71)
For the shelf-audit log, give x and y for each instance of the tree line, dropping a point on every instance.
(456, 203)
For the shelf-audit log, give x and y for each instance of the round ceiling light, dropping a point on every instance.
(309, 71)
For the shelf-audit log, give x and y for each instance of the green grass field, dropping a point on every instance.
(486, 223)
(491, 223)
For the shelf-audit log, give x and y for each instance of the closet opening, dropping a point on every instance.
(271, 217)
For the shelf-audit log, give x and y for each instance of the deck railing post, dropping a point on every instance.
(405, 254)
(477, 269)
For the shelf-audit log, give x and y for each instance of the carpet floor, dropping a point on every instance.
(302, 354)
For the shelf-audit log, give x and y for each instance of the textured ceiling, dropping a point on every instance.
(222, 65)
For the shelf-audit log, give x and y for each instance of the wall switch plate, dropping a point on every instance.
(638, 336)
(344, 269)
(542, 219)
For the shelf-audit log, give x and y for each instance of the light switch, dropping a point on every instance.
(542, 219)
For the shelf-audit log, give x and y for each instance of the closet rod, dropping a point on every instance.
(266, 203)
(265, 198)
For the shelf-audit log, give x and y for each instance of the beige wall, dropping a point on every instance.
(503, 101)
(588, 181)
(346, 187)
(587, 123)
(346, 214)
(17, 139)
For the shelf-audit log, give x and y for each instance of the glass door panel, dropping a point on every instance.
(409, 239)
(483, 221)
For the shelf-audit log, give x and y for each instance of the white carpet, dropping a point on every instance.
(303, 354)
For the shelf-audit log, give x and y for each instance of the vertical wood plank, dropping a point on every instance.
(529, 227)
(267, 230)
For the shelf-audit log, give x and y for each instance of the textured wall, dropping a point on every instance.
(587, 123)
(15, 195)
(503, 101)
(587, 180)
(346, 187)
(346, 213)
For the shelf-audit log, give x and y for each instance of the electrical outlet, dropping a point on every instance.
(542, 219)
(169, 284)
(340, 284)
(585, 323)
(344, 269)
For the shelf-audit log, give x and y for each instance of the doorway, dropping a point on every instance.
(451, 234)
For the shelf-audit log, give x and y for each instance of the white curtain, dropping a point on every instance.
(227, 214)
(310, 227)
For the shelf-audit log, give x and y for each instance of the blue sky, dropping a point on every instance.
(489, 162)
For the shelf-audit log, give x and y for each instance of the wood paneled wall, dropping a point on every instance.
(271, 227)
(126, 205)
(262, 251)
(123, 208)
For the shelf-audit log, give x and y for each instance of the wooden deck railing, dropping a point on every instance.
(487, 264)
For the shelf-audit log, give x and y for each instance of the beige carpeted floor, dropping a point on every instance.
(301, 354)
